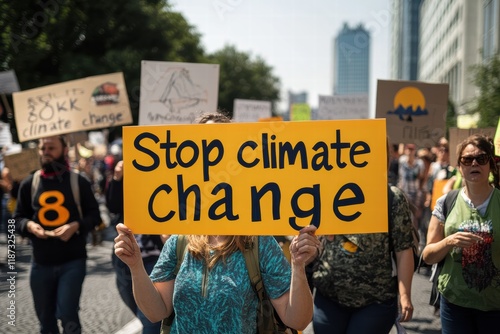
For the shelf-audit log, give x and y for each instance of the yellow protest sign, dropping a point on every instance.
(437, 191)
(94, 102)
(271, 119)
(497, 140)
(262, 178)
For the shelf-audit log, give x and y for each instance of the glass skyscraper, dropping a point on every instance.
(351, 69)
(405, 39)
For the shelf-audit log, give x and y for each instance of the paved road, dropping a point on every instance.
(102, 310)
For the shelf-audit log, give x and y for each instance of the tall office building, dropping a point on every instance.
(451, 37)
(351, 54)
(491, 38)
(405, 37)
(300, 97)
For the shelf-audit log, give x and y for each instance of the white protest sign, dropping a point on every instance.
(8, 82)
(343, 107)
(250, 110)
(91, 103)
(176, 93)
(5, 134)
(97, 138)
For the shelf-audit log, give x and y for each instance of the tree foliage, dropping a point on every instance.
(242, 77)
(53, 41)
(487, 78)
(451, 118)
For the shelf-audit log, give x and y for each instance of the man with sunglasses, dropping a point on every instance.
(468, 240)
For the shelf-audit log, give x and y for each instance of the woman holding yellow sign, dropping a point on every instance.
(210, 290)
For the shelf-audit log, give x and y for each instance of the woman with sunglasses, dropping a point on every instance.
(468, 240)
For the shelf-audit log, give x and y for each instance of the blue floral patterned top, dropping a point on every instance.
(225, 302)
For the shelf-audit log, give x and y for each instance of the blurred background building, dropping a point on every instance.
(351, 61)
(293, 98)
(405, 38)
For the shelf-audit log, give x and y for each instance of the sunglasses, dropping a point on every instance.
(481, 159)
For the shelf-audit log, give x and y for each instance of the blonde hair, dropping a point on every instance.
(200, 248)
(214, 117)
(199, 245)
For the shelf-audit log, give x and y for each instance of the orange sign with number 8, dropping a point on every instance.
(57, 206)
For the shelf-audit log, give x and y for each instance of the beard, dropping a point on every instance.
(55, 166)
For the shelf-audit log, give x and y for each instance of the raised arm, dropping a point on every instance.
(154, 300)
(295, 307)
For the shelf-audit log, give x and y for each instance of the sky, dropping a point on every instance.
(294, 37)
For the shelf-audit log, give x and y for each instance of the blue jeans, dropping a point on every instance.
(462, 320)
(124, 285)
(56, 293)
(332, 318)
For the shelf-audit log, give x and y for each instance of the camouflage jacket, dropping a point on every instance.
(356, 270)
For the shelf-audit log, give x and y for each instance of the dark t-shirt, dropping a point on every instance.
(53, 206)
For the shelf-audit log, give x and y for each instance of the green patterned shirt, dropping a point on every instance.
(356, 270)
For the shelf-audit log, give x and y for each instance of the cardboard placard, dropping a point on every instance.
(264, 178)
(94, 102)
(22, 164)
(415, 111)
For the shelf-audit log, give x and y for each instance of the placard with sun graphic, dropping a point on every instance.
(415, 112)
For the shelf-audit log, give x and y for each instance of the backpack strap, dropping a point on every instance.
(180, 250)
(449, 201)
(34, 185)
(266, 316)
(251, 255)
(75, 189)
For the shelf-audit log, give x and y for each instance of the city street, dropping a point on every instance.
(102, 310)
